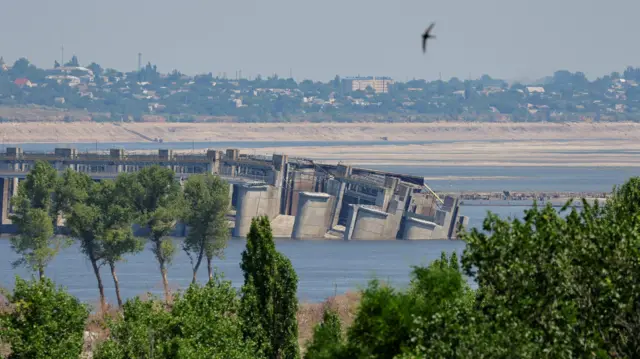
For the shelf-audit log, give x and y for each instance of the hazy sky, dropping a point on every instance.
(510, 39)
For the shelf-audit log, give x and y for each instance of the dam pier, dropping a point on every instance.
(302, 198)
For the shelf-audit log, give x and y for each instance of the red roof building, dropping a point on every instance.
(21, 82)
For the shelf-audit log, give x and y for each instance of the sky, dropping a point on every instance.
(508, 39)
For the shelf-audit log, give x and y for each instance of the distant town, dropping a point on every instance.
(146, 95)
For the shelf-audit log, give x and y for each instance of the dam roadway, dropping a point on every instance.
(302, 198)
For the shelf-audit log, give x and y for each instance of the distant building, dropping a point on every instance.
(378, 84)
(533, 89)
(22, 82)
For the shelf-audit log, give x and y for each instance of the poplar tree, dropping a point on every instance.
(269, 304)
(34, 216)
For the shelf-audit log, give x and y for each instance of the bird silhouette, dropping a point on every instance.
(427, 35)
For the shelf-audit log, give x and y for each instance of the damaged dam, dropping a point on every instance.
(303, 199)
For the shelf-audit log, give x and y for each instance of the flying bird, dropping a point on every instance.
(427, 35)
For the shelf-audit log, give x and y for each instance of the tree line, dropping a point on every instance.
(128, 96)
(556, 284)
(101, 215)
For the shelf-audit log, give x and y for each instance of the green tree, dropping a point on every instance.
(44, 321)
(390, 322)
(269, 305)
(207, 203)
(158, 203)
(73, 62)
(327, 337)
(32, 208)
(96, 69)
(572, 282)
(73, 187)
(34, 243)
(202, 324)
(86, 224)
(118, 214)
(101, 220)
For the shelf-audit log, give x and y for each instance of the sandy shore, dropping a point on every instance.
(60, 132)
(467, 144)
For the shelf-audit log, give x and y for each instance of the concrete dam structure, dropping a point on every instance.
(302, 198)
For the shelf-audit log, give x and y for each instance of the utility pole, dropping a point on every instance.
(139, 61)
(62, 55)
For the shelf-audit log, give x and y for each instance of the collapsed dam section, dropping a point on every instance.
(302, 198)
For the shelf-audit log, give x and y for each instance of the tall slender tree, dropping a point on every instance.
(118, 215)
(157, 199)
(33, 215)
(269, 304)
(85, 223)
(102, 223)
(207, 202)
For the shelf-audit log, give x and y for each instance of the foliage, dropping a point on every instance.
(45, 322)
(327, 337)
(71, 188)
(102, 223)
(33, 243)
(34, 216)
(207, 203)
(157, 200)
(202, 323)
(567, 97)
(571, 281)
(269, 304)
(387, 318)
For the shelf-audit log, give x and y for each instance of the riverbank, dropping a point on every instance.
(79, 132)
(404, 144)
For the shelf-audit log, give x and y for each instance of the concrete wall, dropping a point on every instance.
(299, 181)
(392, 226)
(5, 200)
(312, 216)
(336, 189)
(461, 222)
(418, 229)
(443, 220)
(254, 201)
(369, 224)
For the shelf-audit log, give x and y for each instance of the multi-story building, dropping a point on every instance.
(378, 84)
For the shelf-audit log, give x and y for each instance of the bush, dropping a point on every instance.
(390, 322)
(202, 323)
(44, 321)
(327, 337)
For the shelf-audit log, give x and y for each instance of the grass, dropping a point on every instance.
(310, 314)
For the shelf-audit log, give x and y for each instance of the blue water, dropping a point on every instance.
(324, 267)
(532, 178)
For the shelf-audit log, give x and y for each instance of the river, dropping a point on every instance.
(324, 268)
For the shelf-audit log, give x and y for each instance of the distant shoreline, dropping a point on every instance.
(88, 132)
(604, 145)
